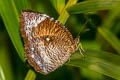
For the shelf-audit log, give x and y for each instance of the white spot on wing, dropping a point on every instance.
(44, 69)
(47, 39)
(38, 62)
(33, 56)
(56, 21)
(32, 49)
(51, 19)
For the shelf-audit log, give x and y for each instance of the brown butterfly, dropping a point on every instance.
(48, 45)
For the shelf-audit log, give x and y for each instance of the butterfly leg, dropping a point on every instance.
(79, 46)
(81, 49)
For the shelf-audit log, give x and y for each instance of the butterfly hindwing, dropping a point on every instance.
(48, 44)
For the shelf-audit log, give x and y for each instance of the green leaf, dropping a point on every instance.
(99, 61)
(110, 38)
(30, 75)
(86, 44)
(2, 76)
(10, 17)
(64, 15)
(58, 5)
(6, 70)
(70, 3)
(20, 5)
(110, 20)
(91, 6)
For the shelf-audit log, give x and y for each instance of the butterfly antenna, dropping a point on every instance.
(83, 27)
(81, 30)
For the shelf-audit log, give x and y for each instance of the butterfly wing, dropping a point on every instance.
(47, 44)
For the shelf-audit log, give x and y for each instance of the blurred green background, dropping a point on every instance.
(97, 22)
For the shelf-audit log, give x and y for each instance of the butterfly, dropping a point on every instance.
(48, 45)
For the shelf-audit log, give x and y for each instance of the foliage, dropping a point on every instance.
(101, 42)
